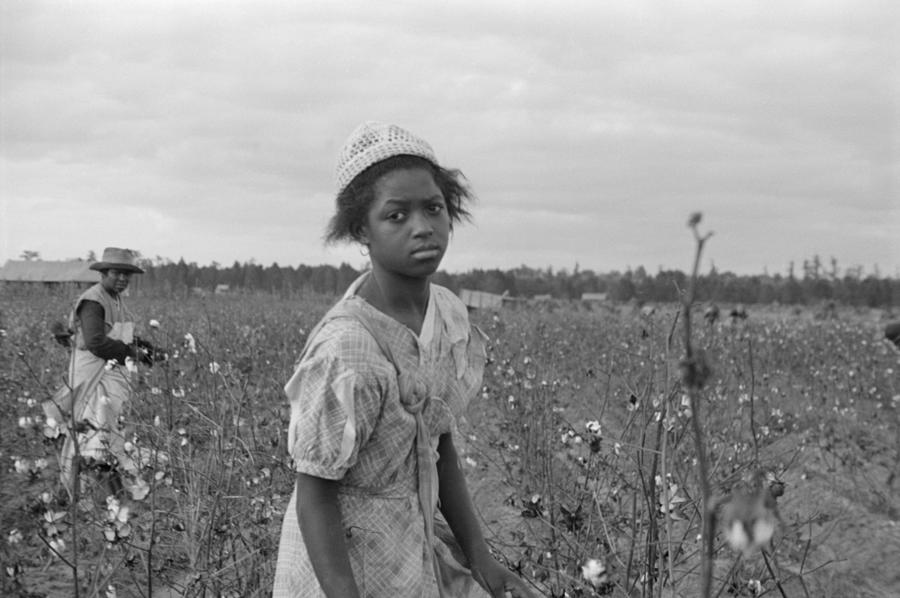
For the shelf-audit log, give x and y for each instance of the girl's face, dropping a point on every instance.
(407, 228)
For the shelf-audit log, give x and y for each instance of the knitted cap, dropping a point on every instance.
(372, 142)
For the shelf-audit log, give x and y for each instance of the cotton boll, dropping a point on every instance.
(594, 572)
(737, 537)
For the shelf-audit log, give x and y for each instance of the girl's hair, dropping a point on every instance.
(354, 200)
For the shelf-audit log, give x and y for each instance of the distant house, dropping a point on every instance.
(593, 297)
(481, 299)
(40, 273)
(222, 289)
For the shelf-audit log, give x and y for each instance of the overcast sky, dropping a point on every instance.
(588, 130)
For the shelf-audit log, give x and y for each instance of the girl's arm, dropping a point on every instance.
(456, 506)
(323, 533)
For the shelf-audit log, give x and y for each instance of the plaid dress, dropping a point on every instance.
(349, 423)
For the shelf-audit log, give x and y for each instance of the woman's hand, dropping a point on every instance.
(456, 506)
(147, 353)
(499, 581)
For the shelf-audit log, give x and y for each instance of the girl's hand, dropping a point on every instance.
(499, 581)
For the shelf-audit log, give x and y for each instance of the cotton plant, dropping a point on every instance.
(89, 534)
(593, 571)
(190, 344)
(670, 499)
(117, 527)
(749, 517)
(595, 435)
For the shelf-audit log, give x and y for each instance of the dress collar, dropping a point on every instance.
(428, 324)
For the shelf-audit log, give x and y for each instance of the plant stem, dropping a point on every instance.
(693, 391)
(772, 573)
(753, 407)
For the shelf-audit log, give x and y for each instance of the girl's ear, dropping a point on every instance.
(361, 235)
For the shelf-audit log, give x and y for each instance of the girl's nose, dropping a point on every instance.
(422, 225)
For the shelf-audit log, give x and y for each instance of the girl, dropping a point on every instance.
(375, 397)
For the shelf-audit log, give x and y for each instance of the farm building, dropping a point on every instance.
(593, 297)
(481, 299)
(484, 300)
(40, 273)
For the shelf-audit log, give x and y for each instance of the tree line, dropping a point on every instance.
(813, 284)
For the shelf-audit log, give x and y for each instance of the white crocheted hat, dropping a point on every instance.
(373, 142)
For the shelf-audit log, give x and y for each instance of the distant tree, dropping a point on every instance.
(181, 276)
(854, 272)
(623, 288)
(207, 276)
(30, 256)
(819, 283)
(91, 256)
(252, 275)
(667, 284)
(324, 280)
(346, 274)
(768, 290)
(302, 278)
(791, 292)
(233, 276)
(273, 279)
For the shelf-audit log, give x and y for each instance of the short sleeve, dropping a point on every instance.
(468, 344)
(336, 396)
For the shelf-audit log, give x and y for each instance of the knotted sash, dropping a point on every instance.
(414, 399)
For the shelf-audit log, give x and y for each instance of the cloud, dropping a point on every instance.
(213, 126)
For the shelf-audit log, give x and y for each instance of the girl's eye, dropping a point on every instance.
(436, 208)
(396, 216)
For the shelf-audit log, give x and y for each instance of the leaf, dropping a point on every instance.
(54, 516)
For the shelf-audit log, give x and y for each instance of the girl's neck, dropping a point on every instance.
(404, 299)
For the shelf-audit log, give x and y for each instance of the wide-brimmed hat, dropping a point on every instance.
(118, 258)
(372, 142)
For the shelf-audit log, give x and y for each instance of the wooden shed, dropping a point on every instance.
(40, 273)
(481, 299)
(593, 297)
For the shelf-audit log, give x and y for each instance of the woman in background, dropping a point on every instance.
(99, 380)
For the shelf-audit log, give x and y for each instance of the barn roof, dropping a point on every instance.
(47, 271)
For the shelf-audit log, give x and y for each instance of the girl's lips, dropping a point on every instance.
(427, 254)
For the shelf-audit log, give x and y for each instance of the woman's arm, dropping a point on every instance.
(323, 533)
(93, 328)
(457, 508)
